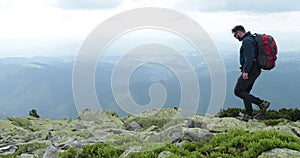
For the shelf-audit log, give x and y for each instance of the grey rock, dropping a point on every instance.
(105, 119)
(195, 124)
(172, 134)
(277, 152)
(152, 128)
(134, 126)
(25, 156)
(180, 144)
(176, 135)
(129, 151)
(65, 145)
(197, 134)
(165, 154)
(163, 113)
(8, 149)
(285, 129)
(51, 152)
(295, 124)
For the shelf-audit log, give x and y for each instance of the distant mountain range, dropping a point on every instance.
(45, 84)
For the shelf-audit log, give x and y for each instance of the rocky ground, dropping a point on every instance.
(38, 137)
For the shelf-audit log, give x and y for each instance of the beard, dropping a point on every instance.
(239, 38)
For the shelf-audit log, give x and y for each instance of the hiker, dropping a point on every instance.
(250, 72)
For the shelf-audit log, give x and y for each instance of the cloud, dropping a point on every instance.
(238, 5)
(190, 5)
(87, 4)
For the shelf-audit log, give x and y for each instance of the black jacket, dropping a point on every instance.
(248, 52)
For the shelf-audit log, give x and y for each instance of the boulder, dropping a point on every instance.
(65, 145)
(165, 154)
(219, 125)
(25, 156)
(34, 146)
(51, 152)
(277, 152)
(285, 129)
(129, 151)
(8, 149)
(151, 128)
(159, 117)
(167, 113)
(197, 134)
(134, 126)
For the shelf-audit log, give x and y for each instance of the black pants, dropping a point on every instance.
(243, 87)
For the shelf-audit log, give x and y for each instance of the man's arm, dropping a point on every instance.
(248, 57)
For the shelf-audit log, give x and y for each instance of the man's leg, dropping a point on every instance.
(248, 104)
(243, 87)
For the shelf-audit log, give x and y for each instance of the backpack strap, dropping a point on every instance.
(256, 54)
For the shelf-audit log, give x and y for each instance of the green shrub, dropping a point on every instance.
(71, 153)
(100, 150)
(33, 113)
(289, 114)
(274, 122)
(230, 112)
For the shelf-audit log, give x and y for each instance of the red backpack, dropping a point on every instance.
(267, 51)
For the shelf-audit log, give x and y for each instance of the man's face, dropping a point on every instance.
(237, 35)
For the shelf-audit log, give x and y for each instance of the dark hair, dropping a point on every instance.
(238, 28)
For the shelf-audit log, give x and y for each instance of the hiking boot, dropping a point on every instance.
(263, 107)
(247, 117)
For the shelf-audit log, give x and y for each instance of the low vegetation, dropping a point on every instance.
(235, 143)
(272, 117)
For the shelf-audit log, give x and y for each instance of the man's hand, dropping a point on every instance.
(245, 75)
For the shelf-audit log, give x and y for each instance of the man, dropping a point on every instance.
(250, 72)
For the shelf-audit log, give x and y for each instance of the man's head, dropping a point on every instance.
(238, 32)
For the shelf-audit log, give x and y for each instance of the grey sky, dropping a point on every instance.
(58, 27)
(87, 4)
(239, 5)
(196, 5)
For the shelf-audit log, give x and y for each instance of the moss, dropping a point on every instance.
(21, 122)
(157, 117)
(275, 122)
(125, 142)
(6, 125)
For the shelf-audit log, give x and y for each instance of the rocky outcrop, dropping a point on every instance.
(51, 152)
(149, 130)
(277, 152)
